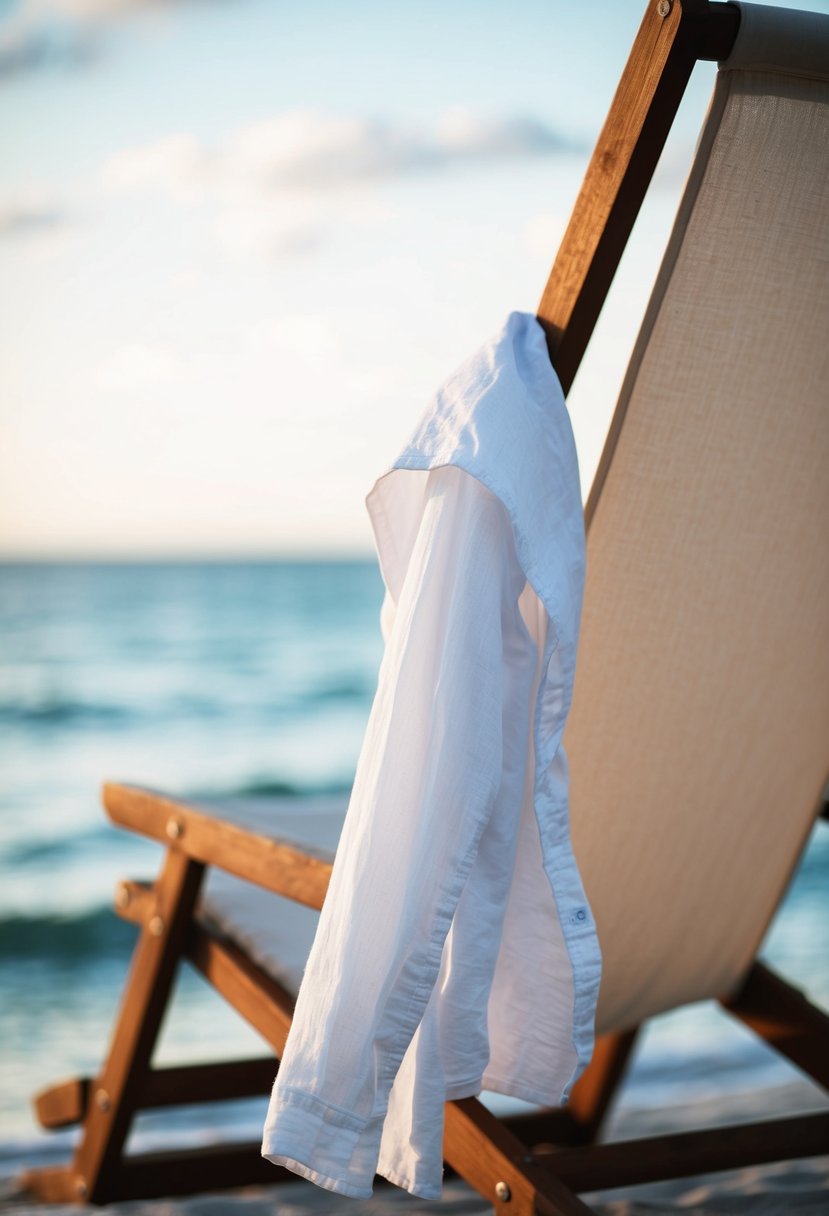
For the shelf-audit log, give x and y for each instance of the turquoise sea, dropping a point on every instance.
(218, 679)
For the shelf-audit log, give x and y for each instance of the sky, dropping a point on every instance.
(243, 241)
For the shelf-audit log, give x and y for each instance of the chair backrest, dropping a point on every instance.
(699, 733)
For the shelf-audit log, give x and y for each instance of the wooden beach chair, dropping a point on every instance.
(699, 730)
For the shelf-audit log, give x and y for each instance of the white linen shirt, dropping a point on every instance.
(456, 950)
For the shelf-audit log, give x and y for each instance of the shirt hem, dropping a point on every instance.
(324, 1180)
(524, 1093)
(408, 1184)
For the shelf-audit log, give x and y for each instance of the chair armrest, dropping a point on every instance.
(297, 871)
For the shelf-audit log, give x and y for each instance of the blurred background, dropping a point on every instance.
(241, 242)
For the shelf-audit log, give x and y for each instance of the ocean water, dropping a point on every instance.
(219, 679)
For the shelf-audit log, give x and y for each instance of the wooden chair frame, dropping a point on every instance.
(494, 1156)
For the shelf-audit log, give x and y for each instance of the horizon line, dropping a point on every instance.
(188, 557)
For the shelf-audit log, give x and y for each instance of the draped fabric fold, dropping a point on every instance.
(456, 950)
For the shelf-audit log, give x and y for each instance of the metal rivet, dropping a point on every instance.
(156, 926)
(663, 8)
(80, 1189)
(102, 1100)
(175, 828)
(502, 1192)
(122, 895)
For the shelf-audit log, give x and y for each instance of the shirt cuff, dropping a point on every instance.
(343, 1147)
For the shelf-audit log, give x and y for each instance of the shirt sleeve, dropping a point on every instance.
(426, 783)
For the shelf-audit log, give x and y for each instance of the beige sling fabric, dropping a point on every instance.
(276, 932)
(699, 734)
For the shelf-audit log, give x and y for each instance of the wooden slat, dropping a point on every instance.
(620, 170)
(134, 900)
(481, 1149)
(545, 1127)
(115, 1092)
(63, 1104)
(250, 990)
(595, 1089)
(153, 1175)
(635, 1162)
(786, 1019)
(221, 1081)
(212, 1168)
(298, 872)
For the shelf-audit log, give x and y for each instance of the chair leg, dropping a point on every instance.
(500, 1168)
(113, 1100)
(596, 1087)
(581, 1120)
(781, 1015)
(494, 1157)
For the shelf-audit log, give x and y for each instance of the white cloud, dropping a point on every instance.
(28, 43)
(54, 33)
(311, 150)
(461, 133)
(29, 213)
(81, 10)
(63, 33)
(177, 162)
(276, 186)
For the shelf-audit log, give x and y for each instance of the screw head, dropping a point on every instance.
(156, 926)
(80, 1189)
(122, 895)
(503, 1192)
(174, 828)
(663, 8)
(102, 1100)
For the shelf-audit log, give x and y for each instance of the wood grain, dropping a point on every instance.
(482, 1150)
(621, 167)
(297, 871)
(113, 1102)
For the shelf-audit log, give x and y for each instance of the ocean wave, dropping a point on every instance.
(346, 689)
(66, 711)
(72, 711)
(94, 935)
(61, 711)
(274, 787)
(28, 850)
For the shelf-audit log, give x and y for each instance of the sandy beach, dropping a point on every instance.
(798, 1188)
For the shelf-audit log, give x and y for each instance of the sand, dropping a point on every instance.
(789, 1189)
